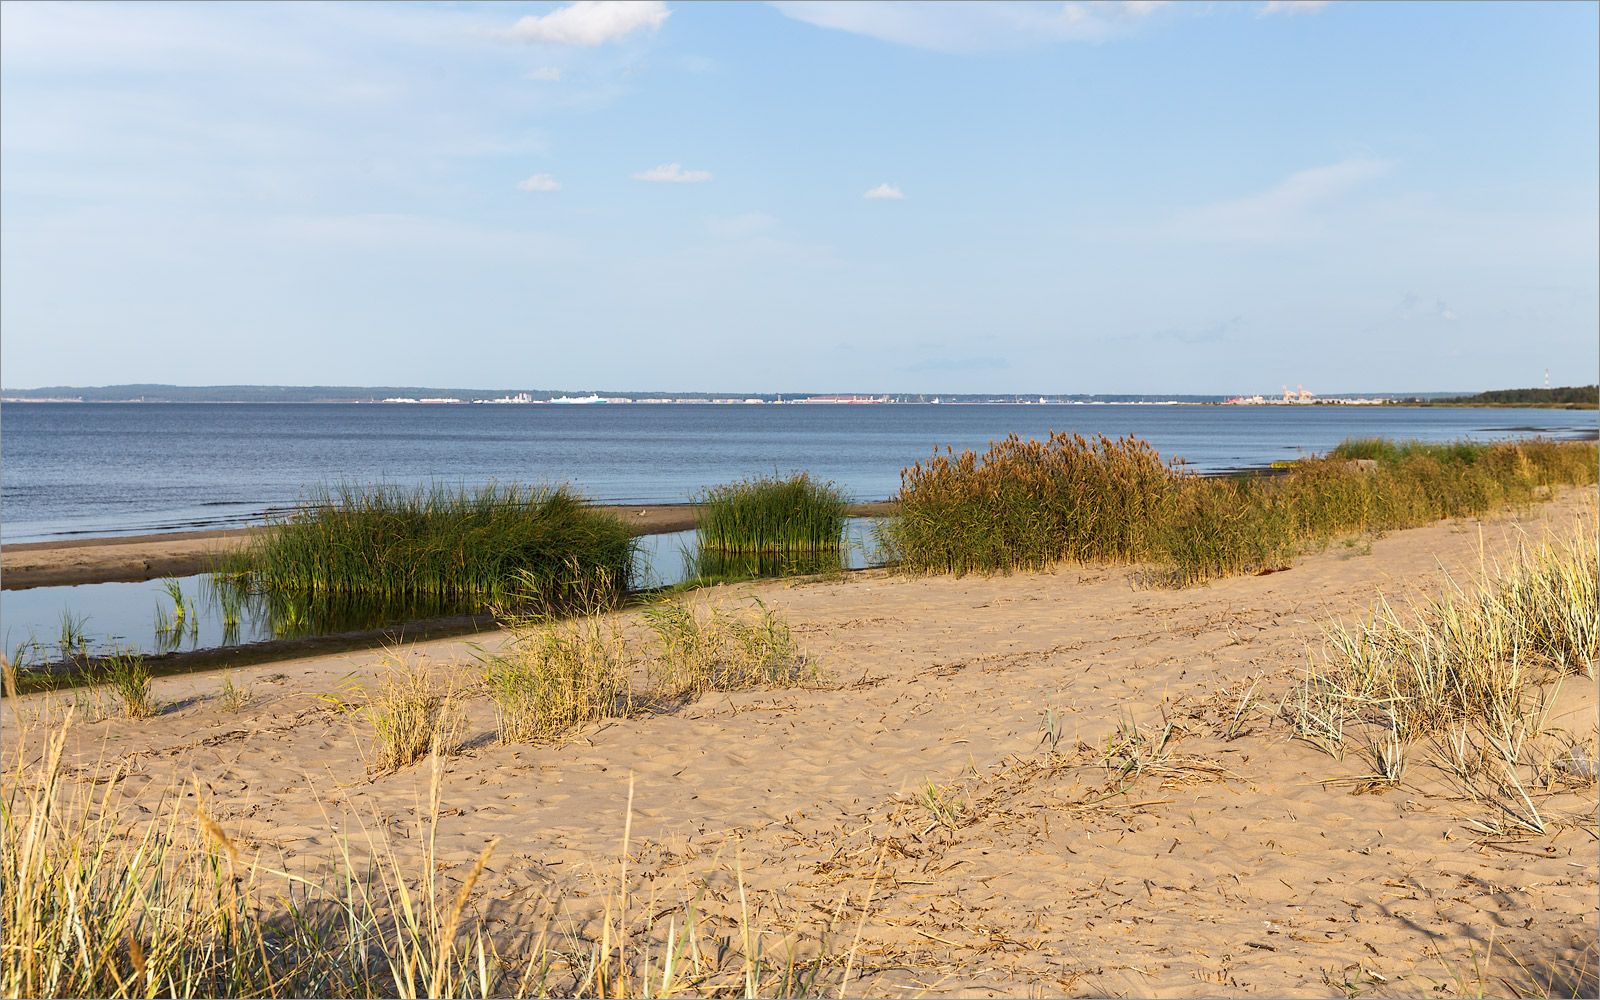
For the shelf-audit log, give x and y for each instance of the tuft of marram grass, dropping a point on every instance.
(1466, 671)
(1473, 655)
(561, 673)
(234, 697)
(557, 674)
(128, 677)
(707, 646)
(412, 716)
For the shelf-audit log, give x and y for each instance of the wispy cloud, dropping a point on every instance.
(1412, 307)
(746, 226)
(885, 190)
(590, 22)
(1142, 8)
(1281, 213)
(549, 74)
(411, 234)
(1291, 7)
(673, 173)
(995, 25)
(539, 182)
(956, 365)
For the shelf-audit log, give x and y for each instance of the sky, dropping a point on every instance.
(1010, 197)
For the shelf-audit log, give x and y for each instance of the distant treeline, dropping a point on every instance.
(1583, 396)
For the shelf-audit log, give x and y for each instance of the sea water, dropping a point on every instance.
(86, 470)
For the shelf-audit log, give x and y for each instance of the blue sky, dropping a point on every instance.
(997, 197)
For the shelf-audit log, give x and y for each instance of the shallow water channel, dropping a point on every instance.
(45, 626)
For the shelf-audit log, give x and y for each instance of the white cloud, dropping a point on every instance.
(1278, 214)
(590, 22)
(990, 26)
(1291, 7)
(539, 182)
(752, 237)
(673, 173)
(549, 74)
(1142, 8)
(885, 190)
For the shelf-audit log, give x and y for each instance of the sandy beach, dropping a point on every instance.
(1242, 862)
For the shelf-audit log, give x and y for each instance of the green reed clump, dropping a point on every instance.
(1234, 525)
(1394, 452)
(390, 545)
(772, 516)
(1223, 527)
(1027, 504)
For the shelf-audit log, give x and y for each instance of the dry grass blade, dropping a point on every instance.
(92, 907)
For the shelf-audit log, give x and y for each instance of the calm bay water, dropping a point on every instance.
(72, 470)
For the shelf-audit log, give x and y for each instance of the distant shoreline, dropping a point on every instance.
(1369, 400)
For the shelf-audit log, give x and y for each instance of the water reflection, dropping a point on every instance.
(54, 627)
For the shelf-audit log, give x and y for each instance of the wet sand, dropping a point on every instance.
(1245, 863)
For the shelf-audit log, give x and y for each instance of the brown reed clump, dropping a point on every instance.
(1028, 504)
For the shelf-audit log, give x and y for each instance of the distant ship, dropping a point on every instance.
(577, 399)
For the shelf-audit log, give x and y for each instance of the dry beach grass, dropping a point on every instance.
(1047, 783)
